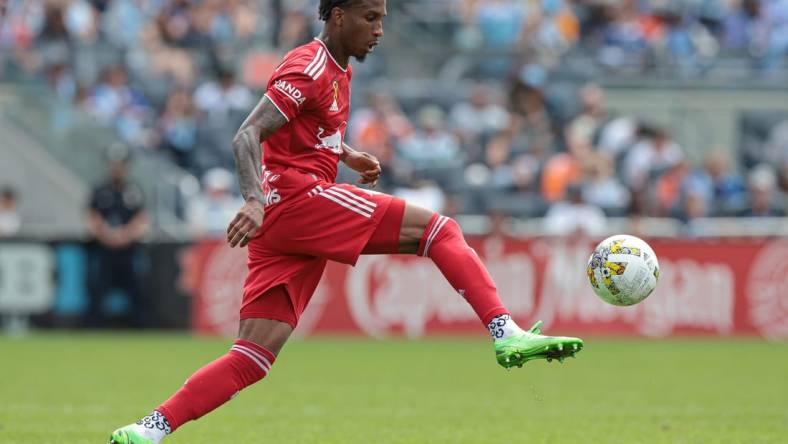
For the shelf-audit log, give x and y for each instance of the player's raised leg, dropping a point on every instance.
(440, 238)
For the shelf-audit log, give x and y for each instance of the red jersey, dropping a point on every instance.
(312, 91)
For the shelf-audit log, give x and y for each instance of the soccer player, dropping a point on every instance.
(296, 218)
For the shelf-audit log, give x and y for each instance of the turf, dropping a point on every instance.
(75, 388)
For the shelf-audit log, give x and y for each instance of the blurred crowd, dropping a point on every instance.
(516, 156)
(688, 35)
(177, 77)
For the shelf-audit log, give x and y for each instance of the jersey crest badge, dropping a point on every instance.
(334, 105)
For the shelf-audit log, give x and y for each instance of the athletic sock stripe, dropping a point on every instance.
(355, 196)
(251, 356)
(349, 207)
(321, 62)
(438, 229)
(439, 225)
(433, 227)
(260, 354)
(350, 200)
(259, 350)
(314, 61)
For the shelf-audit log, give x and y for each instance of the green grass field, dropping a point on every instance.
(70, 388)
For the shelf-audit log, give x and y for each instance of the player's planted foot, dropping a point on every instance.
(148, 430)
(514, 346)
(129, 435)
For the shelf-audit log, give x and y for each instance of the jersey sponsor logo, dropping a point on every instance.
(290, 91)
(331, 142)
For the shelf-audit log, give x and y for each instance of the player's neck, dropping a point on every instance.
(335, 49)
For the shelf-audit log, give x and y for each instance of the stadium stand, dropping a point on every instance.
(570, 93)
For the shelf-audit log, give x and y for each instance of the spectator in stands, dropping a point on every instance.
(219, 99)
(617, 136)
(10, 219)
(668, 188)
(431, 148)
(378, 128)
(531, 121)
(497, 155)
(499, 23)
(552, 29)
(694, 208)
(223, 104)
(776, 42)
(159, 66)
(178, 128)
(424, 193)
(62, 81)
(499, 26)
(296, 26)
(775, 150)
(80, 21)
(176, 22)
(652, 155)
(603, 189)
(573, 216)
(745, 27)
(585, 127)
(625, 34)
(565, 168)
(764, 202)
(728, 190)
(209, 213)
(115, 102)
(476, 119)
(123, 21)
(117, 221)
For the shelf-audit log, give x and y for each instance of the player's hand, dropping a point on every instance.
(245, 224)
(366, 165)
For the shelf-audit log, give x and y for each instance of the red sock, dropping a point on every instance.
(444, 244)
(217, 382)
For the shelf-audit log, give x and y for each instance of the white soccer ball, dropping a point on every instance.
(623, 270)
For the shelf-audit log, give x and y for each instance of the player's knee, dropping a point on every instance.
(268, 333)
(442, 229)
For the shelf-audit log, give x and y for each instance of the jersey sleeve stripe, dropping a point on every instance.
(314, 60)
(355, 196)
(319, 68)
(277, 106)
(353, 202)
(349, 207)
(322, 68)
(321, 60)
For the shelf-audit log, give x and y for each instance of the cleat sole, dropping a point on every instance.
(549, 352)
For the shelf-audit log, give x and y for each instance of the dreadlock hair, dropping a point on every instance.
(326, 6)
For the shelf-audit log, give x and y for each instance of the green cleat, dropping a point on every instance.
(128, 435)
(529, 345)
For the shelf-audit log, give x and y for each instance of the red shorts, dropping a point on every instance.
(309, 222)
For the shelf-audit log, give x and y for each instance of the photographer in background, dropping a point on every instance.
(117, 221)
(10, 221)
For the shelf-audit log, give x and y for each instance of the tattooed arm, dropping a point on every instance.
(263, 121)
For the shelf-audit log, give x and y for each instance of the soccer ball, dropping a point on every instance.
(623, 270)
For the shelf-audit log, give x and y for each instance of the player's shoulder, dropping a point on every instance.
(308, 60)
